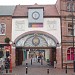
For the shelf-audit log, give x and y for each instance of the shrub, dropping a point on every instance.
(7, 40)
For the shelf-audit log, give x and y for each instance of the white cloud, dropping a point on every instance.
(26, 2)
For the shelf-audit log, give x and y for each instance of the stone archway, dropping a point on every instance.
(36, 39)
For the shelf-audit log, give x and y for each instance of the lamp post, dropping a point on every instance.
(72, 10)
(73, 38)
(10, 57)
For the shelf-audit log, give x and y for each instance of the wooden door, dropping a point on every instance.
(19, 57)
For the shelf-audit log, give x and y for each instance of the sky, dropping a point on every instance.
(26, 2)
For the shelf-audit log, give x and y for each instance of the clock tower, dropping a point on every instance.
(35, 17)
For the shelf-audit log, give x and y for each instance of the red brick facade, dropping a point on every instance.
(7, 20)
(67, 40)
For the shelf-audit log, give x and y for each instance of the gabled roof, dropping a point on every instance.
(6, 10)
(22, 10)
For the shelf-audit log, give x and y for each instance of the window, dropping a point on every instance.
(2, 28)
(70, 30)
(70, 6)
(70, 54)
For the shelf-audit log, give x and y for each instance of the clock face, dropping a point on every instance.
(35, 15)
(35, 41)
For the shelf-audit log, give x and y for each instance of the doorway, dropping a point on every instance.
(19, 56)
(52, 56)
(22, 54)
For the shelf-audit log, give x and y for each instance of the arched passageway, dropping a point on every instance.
(36, 45)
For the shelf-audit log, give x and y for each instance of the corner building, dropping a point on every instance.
(40, 30)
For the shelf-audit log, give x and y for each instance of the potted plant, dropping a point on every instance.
(7, 40)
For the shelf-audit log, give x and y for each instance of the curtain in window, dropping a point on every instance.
(70, 54)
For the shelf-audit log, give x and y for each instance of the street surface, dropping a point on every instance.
(38, 69)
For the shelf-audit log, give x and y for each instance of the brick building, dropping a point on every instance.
(35, 30)
(67, 29)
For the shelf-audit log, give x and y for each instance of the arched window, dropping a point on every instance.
(70, 53)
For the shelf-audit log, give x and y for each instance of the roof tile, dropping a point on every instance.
(49, 10)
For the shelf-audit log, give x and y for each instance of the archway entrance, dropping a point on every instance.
(36, 45)
(48, 54)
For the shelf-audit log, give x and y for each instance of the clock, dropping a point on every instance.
(35, 41)
(35, 15)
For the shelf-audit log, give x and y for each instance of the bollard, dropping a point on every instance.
(66, 68)
(47, 71)
(2, 69)
(74, 65)
(6, 70)
(26, 64)
(31, 61)
(41, 62)
(26, 70)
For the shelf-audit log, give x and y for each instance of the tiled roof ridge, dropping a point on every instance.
(21, 10)
(38, 5)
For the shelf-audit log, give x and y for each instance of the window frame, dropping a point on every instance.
(69, 28)
(69, 6)
(71, 56)
(4, 28)
(69, 20)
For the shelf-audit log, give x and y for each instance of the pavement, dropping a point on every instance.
(38, 69)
